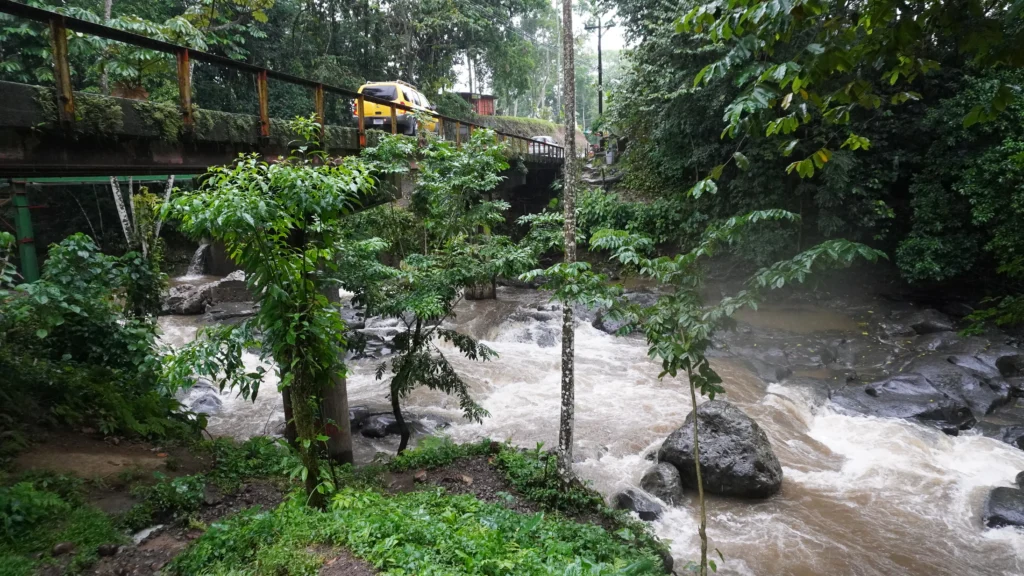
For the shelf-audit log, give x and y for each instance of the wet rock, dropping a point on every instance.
(897, 329)
(231, 288)
(202, 397)
(226, 311)
(356, 415)
(957, 309)
(905, 396)
(212, 496)
(1020, 480)
(936, 341)
(1011, 365)
(663, 481)
(61, 548)
(736, 457)
(856, 353)
(981, 396)
(185, 299)
(815, 392)
(929, 321)
(384, 424)
(1012, 435)
(379, 426)
(610, 325)
(1004, 507)
(108, 549)
(636, 501)
(770, 373)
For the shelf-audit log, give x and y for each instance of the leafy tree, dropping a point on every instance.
(679, 325)
(456, 250)
(279, 222)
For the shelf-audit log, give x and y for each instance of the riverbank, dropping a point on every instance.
(229, 506)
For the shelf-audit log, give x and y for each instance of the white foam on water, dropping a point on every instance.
(861, 496)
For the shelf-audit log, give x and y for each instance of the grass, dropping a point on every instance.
(426, 533)
(38, 513)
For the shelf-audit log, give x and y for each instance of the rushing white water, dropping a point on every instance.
(861, 496)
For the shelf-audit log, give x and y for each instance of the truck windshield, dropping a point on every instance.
(382, 92)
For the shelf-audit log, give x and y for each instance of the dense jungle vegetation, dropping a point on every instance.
(794, 135)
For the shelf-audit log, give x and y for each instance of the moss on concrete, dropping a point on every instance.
(162, 117)
(95, 114)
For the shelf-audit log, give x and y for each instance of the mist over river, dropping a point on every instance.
(861, 495)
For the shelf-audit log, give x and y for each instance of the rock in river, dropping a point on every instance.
(1004, 507)
(636, 501)
(907, 396)
(663, 481)
(735, 456)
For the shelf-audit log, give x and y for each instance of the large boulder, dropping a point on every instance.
(663, 481)
(736, 458)
(231, 288)
(981, 395)
(194, 298)
(1004, 507)
(636, 501)
(929, 321)
(185, 299)
(906, 396)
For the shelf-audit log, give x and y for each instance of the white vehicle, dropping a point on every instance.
(542, 146)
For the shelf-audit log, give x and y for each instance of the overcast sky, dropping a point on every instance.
(611, 39)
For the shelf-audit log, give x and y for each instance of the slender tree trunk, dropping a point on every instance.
(566, 423)
(167, 198)
(122, 212)
(334, 408)
(305, 427)
(396, 409)
(108, 6)
(702, 529)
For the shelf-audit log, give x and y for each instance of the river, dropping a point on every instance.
(861, 495)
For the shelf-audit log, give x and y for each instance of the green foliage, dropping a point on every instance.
(281, 223)
(520, 126)
(534, 474)
(453, 249)
(257, 457)
(434, 452)
(165, 500)
(37, 513)
(423, 532)
(79, 344)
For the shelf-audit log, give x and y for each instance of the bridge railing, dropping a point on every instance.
(60, 24)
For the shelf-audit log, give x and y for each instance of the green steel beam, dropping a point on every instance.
(72, 180)
(26, 238)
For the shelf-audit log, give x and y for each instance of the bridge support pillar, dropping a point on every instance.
(26, 237)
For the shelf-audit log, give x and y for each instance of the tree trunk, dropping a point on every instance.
(305, 427)
(334, 408)
(702, 529)
(396, 409)
(108, 6)
(167, 198)
(122, 212)
(565, 428)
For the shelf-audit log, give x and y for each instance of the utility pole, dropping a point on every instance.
(600, 79)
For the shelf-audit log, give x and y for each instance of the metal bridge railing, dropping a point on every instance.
(60, 24)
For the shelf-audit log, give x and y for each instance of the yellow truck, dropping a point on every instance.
(378, 116)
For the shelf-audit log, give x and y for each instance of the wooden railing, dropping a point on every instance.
(60, 25)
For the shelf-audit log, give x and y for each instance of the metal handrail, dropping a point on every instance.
(59, 24)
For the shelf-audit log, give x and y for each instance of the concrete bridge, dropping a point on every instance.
(55, 131)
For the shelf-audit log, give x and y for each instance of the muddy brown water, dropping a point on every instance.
(861, 496)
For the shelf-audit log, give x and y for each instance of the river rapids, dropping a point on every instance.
(861, 495)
